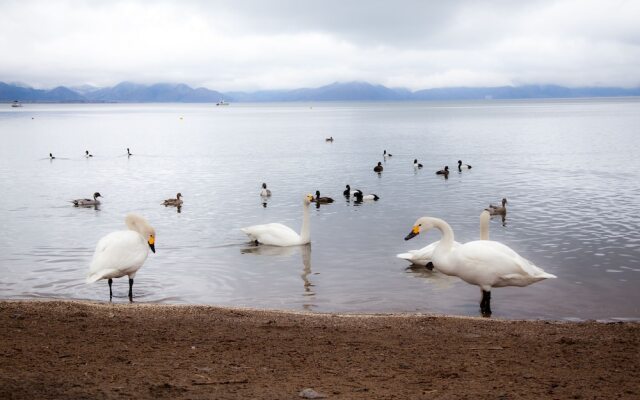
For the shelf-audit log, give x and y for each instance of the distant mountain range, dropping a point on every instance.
(127, 92)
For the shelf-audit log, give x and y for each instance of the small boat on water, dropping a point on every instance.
(16, 103)
(222, 103)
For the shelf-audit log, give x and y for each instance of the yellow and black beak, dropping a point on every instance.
(152, 242)
(415, 231)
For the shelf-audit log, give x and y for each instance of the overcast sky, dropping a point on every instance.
(282, 44)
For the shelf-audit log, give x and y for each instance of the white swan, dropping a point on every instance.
(424, 255)
(122, 253)
(281, 235)
(483, 263)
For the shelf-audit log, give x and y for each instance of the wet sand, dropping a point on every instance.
(82, 350)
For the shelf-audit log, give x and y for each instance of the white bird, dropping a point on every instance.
(122, 253)
(348, 192)
(483, 263)
(424, 255)
(265, 192)
(416, 164)
(276, 234)
(88, 202)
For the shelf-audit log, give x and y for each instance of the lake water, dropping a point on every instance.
(569, 170)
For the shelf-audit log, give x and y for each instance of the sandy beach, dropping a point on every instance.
(72, 349)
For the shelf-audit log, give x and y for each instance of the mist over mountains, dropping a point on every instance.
(127, 92)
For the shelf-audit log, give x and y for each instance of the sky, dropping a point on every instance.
(253, 45)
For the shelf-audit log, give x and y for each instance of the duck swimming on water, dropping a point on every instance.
(378, 168)
(462, 166)
(88, 202)
(87, 155)
(321, 200)
(265, 192)
(173, 202)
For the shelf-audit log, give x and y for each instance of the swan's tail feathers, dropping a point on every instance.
(405, 256)
(92, 278)
(547, 275)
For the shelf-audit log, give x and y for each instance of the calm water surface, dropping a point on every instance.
(569, 170)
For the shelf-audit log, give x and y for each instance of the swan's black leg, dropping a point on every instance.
(485, 304)
(130, 290)
(110, 293)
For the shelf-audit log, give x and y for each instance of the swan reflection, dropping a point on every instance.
(431, 276)
(277, 251)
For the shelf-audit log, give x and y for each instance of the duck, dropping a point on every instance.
(329, 139)
(265, 192)
(51, 157)
(87, 155)
(123, 253)
(88, 202)
(462, 166)
(348, 192)
(276, 234)
(378, 168)
(444, 171)
(385, 154)
(128, 153)
(321, 200)
(484, 263)
(173, 202)
(498, 210)
(416, 164)
(359, 196)
(424, 255)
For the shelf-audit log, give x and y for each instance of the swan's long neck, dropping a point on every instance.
(484, 225)
(444, 248)
(305, 232)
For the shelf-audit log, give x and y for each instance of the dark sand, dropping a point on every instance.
(81, 350)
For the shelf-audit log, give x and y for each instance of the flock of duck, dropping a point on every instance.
(484, 263)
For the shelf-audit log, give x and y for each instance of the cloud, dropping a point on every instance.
(283, 44)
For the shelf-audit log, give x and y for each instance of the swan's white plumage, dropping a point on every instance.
(123, 252)
(276, 234)
(484, 263)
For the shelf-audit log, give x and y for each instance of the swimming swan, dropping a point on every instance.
(424, 255)
(88, 202)
(483, 263)
(173, 202)
(276, 234)
(122, 253)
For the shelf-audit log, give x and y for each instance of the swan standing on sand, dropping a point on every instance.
(265, 192)
(424, 255)
(123, 252)
(483, 263)
(88, 202)
(173, 202)
(276, 234)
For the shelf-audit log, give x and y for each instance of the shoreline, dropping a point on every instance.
(84, 349)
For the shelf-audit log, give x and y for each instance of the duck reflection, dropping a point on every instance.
(276, 251)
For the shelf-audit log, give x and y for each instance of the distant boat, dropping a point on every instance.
(16, 103)
(222, 103)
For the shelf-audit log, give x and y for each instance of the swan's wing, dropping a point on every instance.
(495, 264)
(272, 234)
(117, 254)
(421, 256)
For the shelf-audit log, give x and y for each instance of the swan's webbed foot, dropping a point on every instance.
(130, 290)
(485, 304)
(110, 281)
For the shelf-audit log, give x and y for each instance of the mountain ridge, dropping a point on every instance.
(129, 92)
